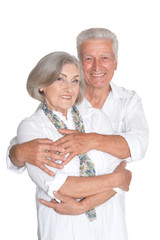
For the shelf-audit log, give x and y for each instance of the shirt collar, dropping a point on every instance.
(118, 92)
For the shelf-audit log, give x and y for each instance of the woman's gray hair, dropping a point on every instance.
(47, 70)
(95, 33)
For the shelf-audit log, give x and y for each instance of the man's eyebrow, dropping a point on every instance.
(87, 55)
(104, 54)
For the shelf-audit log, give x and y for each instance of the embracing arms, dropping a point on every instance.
(70, 206)
(38, 151)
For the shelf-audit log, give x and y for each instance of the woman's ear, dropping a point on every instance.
(41, 89)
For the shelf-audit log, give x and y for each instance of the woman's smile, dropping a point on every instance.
(63, 92)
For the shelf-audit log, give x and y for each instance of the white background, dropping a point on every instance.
(31, 29)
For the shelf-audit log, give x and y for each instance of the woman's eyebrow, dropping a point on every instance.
(63, 74)
(66, 75)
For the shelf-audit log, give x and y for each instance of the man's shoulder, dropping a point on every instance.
(122, 92)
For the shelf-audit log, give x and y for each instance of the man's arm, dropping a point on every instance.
(77, 143)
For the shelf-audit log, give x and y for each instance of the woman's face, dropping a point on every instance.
(62, 93)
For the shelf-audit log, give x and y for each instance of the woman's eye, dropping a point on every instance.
(59, 79)
(76, 81)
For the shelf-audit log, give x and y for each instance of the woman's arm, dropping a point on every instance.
(70, 206)
(76, 187)
(80, 187)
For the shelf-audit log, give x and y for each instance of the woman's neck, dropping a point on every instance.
(97, 96)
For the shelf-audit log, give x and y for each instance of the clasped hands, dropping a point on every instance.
(45, 152)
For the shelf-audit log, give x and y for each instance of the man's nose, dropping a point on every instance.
(96, 65)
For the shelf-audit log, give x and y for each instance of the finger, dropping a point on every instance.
(52, 148)
(66, 131)
(48, 204)
(54, 157)
(69, 158)
(44, 140)
(51, 164)
(62, 140)
(46, 170)
(60, 196)
(121, 165)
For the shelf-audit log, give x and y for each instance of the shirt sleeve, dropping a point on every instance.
(10, 165)
(27, 131)
(135, 129)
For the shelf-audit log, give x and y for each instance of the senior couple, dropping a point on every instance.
(73, 146)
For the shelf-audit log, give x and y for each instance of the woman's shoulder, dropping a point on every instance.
(37, 120)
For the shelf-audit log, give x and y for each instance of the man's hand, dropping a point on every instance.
(75, 142)
(68, 205)
(124, 176)
(38, 152)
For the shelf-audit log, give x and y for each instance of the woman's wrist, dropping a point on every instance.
(82, 206)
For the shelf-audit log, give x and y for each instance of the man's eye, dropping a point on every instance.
(105, 58)
(88, 59)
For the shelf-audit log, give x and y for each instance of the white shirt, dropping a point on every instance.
(110, 223)
(125, 112)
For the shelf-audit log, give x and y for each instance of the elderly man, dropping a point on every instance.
(97, 51)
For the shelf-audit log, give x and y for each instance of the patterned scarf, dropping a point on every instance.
(87, 168)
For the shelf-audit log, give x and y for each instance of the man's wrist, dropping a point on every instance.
(93, 141)
(13, 154)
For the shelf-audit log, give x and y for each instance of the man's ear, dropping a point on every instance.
(116, 64)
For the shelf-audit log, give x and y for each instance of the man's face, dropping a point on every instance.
(98, 62)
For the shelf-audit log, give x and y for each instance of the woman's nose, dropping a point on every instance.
(68, 86)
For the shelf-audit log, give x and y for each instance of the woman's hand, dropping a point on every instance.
(123, 176)
(67, 206)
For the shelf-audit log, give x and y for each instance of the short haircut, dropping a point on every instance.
(97, 33)
(47, 70)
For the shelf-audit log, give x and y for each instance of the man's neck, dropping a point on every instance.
(97, 96)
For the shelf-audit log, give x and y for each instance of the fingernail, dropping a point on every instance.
(52, 174)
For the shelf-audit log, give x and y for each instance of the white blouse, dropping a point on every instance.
(110, 223)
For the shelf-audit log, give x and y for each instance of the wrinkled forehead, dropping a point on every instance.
(96, 46)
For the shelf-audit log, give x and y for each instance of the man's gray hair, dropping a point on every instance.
(96, 33)
(47, 70)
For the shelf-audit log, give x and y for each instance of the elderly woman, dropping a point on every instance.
(57, 82)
